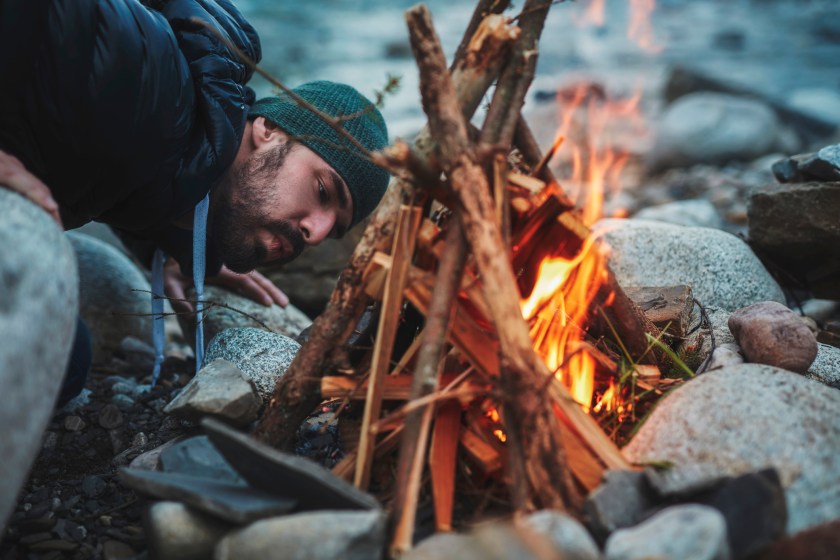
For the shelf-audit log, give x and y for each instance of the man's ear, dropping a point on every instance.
(265, 133)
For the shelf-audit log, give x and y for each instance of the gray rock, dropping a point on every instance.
(38, 316)
(323, 535)
(104, 233)
(196, 456)
(114, 296)
(231, 502)
(77, 402)
(150, 460)
(826, 366)
(263, 356)
(728, 354)
(721, 269)
(820, 167)
(749, 417)
(218, 389)
(821, 102)
(110, 417)
(795, 220)
(176, 532)
(620, 501)
(708, 127)
(566, 534)
(676, 533)
(691, 213)
(682, 480)
(443, 546)
(820, 310)
(243, 312)
(753, 506)
(770, 333)
(273, 471)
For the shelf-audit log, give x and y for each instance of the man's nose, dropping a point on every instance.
(317, 226)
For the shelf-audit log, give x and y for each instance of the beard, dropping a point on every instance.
(244, 198)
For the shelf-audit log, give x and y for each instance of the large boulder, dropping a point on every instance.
(747, 417)
(261, 355)
(721, 269)
(114, 296)
(707, 127)
(38, 315)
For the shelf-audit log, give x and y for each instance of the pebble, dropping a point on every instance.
(110, 417)
(116, 550)
(93, 486)
(122, 401)
(139, 440)
(50, 441)
(74, 423)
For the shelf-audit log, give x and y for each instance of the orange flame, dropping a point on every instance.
(639, 27)
(595, 166)
(640, 30)
(559, 303)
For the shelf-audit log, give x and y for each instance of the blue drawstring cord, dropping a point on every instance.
(199, 262)
(199, 266)
(157, 311)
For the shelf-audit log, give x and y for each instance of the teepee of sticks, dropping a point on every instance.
(462, 274)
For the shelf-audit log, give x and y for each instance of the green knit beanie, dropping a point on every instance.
(367, 182)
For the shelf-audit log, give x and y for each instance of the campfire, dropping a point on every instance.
(526, 337)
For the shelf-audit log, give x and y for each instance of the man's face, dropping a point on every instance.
(270, 207)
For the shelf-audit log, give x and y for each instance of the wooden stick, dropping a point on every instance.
(296, 393)
(417, 422)
(443, 456)
(401, 253)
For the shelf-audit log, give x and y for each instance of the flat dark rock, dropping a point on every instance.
(754, 507)
(231, 502)
(268, 469)
(196, 456)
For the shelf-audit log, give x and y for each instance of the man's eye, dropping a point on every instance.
(322, 193)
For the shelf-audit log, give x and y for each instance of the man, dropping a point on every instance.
(133, 114)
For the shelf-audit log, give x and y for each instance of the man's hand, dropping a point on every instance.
(252, 285)
(14, 176)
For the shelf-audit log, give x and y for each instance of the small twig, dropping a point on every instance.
(704, 317)
(207, 303)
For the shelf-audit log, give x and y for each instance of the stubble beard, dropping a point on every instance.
(245, 195)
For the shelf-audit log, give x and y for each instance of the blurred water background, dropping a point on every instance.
(786, 49)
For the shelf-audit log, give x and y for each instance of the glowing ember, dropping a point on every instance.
(500, 435)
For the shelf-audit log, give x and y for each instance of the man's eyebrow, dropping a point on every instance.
(340, 189)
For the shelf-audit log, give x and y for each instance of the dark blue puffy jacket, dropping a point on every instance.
(128, 111)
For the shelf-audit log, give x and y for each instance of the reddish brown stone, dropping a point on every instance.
(770, 333)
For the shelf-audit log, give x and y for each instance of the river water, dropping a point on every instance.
(774, 46)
